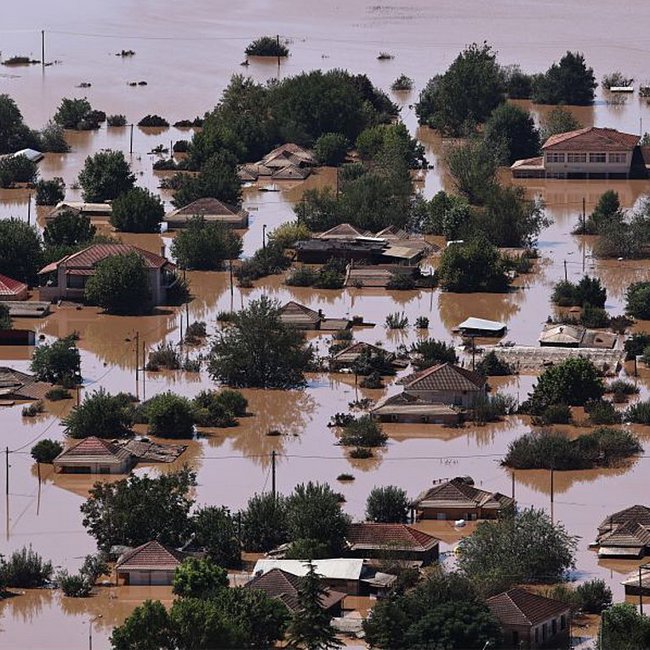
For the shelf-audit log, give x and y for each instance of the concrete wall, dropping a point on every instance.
(465, 399)
(586, 168)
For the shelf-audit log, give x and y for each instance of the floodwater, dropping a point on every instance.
(186, 53)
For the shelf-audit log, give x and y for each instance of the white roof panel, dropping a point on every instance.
(333, 569)
(473, 323)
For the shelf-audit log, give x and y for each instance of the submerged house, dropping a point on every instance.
(11, 289)
(289, 154)
(626, 533)
(592, 152)
(284, 586)
(66, 279)
(149, 564)
(459, 499)
(299, 316)
(395, 541)
(350, 355)
(94, 211)
(473, 326)
(212, 210)
(529, 620)
(93, 455)
(576, 336)
(410, 409)
(18, 386)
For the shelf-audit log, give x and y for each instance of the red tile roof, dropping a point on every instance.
(459, 493)
(91, 256)
(592, 138)
(521, 607)
(93, 446)
(11, 287)
(397, 536)
(207, 205)
(445, 377)
(150, 556)
(284, 586)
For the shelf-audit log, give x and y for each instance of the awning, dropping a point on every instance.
(50, 268)
(82, 272)
(619, 551)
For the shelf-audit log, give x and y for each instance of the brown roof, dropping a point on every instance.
(291, 172)
(460, 493)
(21, 386)
(284, 586)
(11, 287)
(293, 312)
(342, 230)
(152, 556)
(352, 352)
(592, 138)
(96, 450)
(288, 153)
(626, 528)
(398, 536)
(520, 607)
(637, 514)
(445, 377)
(405, 404)
(207, 206)
(89, 257)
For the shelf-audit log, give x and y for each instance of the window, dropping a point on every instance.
(563, 622)
(617, 157)
(554, 626)
(554, 157)
(597, 157)
(576, 157)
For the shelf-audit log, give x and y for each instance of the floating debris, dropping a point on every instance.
(124, 53)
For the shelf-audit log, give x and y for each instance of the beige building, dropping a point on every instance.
(149, 564)
(592, 152)
(93, 455)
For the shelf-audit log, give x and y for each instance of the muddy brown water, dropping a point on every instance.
(187, 54)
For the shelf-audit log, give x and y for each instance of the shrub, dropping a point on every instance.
(622, 386)
(329, 279)
(301, 277)
(402, 83)
(46, 450)
(196, 330)
(265, 261)
(553, 414)
(421, 323)
(50, 192)
(373, 380)
(76, 114)
(361, 453)
(401, 280)
(638, 413)
(363, 432)
(345, 477)
(286, 235)
(594, 316)
(57, 363)
(33, 410)
(154, 121)
(93, 566)
(101, 414)
(137, 210)
(57, 394)
(638, 300)
(594, 596)
(209, 411)
(602, 412)
(331, 149)
(267, 46)
(588, 291)
(492, 408)
(491, 366)
(74, 586)
(181, 146)
(25, 568)
(397, 321)
(164, 356)
(430, 352)
(170, 416)
(116, 120)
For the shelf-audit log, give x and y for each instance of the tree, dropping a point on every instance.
(205, 246)
(105, 176)
(258, 350)
(573, 381)
(310, 627)
(199, 578)
(69, 228)
(25, 568)
(622, 627)
(46, 450)
(58, 362)
(52, 138)
(518, 538)
(14, 133)
(558, 120)
(5, 318)
(264, 522)
(511, 131)
(331, 149)
(120, 285)
(72, 113)
(148, 627)
(638, 300)
(595, 596)
(471, 88)
(137, 210)
(17, 169)
(267, 46)
(430, 352)
(314, 513)
(20, 250)
(318, 210)
(473, 167)
(568, 82)
(215, 531)
(217, 178)
(607, 210)
(101, 414)
(50, 192)
(474, 266)
(290, 232)
(170, 416)
(363, 432)
(387, 505)
(139, 509)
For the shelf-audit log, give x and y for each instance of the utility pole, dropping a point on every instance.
(584, 216)
(231, 283)
(43, 50)
(264, 237)
(513, 483)
(131, 141)
(137, 358)
(144, 374)
(29, 209)
(7, 471)
(273, 454)
(566, 277)
(552, 494)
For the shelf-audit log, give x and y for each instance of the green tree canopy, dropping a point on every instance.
(267, 46)
(50, 192)
(264, 522)
(139, 509)
(20, 250)
(170, 416)
(215, 531)
(558, 120)
(72, 113)
(69, 228)
(46, 450)
(101, 414)
(148, 627)
(199, 578)
(17, 169)
(258, 350)
(120, 285)
(105, 175)
(511, 131)
(205, 246)
(388, 504)
(331, 149)
(14, 133)
(473, 166)
(137, 210)
(622, 627)
(568, 82)
(58, 362)
(465, 95)
(637, 299)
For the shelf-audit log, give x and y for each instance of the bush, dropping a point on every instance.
(402, 83)
(430, 352)
(602, 412)
(594, 596)
(422, 323)
(638, 413)
(373, 380)
(388, 504)
(267, 46)
(301, 277)
(101, 414)
(170, 416)
(588, 291)
(17, 169)
(331, 149)
(553, 414)
(622, 386)
(93, 567)
(397, 321)
(116, 120)
(361, 453)
(164, 356)
(209, 411)
(491, 366)
(74, 586)
(46, 450)
(363, 432)
(636, 344)
(57, 363)
(154, 121)
(286, 235)
(492, 408)
(33, 410)
(265, 261)
(401, 280)
(638, 300)
(50, 192)
(137, 210)
(25, 568)
(594, 317)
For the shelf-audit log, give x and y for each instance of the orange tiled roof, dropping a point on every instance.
(521, 607)
(11, 287)
(205, 206)
(592, 138)
(150, 556)
(374, 535)
(446, 377)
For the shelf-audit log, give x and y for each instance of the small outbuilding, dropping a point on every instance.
(300, 316)
(473, 326)
(12, 290)
(148, 565)
(350, 355)
(93, 455)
